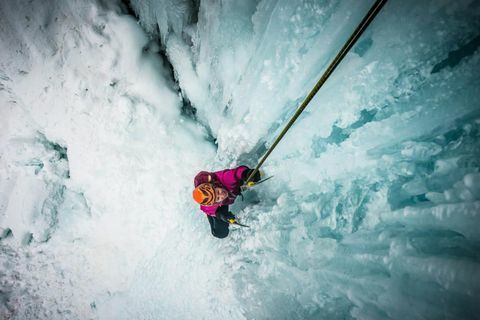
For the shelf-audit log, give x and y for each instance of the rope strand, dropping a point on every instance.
(336, 61)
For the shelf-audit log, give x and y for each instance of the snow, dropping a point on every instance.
(373, 209)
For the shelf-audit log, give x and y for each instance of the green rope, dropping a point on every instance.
(336, 61)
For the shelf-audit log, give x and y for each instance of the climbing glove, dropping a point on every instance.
(226, 216)
(255, 178)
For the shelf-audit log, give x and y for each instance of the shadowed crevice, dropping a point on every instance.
(456, 56)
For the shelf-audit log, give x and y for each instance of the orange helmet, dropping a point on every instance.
(204, 194)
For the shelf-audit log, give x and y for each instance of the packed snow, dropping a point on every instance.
(108, 109)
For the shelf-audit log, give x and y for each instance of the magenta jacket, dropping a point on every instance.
(229, 179)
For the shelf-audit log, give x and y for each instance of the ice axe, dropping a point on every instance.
(251, 184)
(233, 221)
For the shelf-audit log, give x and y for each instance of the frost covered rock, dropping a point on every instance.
(35, 172)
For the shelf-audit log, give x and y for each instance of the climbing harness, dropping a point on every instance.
(336, 61)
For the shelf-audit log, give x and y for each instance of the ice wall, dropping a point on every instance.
(373, 213)
(373, 210)
(91, 143)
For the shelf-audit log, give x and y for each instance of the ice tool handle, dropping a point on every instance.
(251, 184)
(233, 221)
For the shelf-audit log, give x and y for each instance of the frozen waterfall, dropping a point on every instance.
(109, 108)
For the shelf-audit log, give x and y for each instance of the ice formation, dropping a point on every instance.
(109, 109)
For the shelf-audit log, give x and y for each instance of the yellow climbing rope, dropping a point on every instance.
(335, 62)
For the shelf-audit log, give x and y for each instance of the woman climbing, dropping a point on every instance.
(215, 191)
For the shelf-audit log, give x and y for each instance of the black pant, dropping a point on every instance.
(219, 227)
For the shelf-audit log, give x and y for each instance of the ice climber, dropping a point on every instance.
(215, 191)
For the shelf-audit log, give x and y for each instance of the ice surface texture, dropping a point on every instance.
(374, 209)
